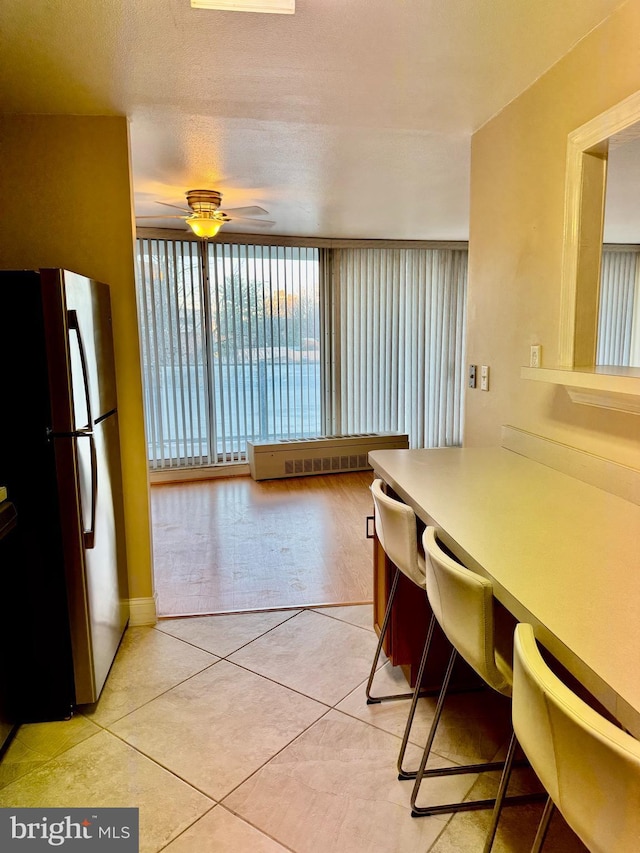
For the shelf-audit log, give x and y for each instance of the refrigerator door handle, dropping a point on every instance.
(74, 326)
(90, 534)
(76, 433)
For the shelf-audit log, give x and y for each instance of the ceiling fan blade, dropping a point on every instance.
(177, 206)
(162, 216)
(267, 223)
(251, 210)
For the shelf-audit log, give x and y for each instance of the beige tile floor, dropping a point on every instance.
(250, 733)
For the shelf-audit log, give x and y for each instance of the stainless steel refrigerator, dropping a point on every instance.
(65, 600)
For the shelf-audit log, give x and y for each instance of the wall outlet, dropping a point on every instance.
(472, 375)
(484, 378)
(535, 356)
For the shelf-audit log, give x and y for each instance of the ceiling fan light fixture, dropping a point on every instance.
(205, 226)
(204, 202)
(281, 7)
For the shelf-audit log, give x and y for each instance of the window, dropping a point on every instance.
(230, 348)
(401, 338)
(619, 310)
(250, 342)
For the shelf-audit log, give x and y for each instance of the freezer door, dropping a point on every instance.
(80, 349)
(90, 303)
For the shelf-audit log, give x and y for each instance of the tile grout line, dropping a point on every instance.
(321, 612)
(257, 770)
(244, 645)
(278, 683)
(187, 828)
(106, 726)
(221, 803)
(194, 674)
(262, 766)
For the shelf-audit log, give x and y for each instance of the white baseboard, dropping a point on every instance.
(610, 476)
(205, 472)
(142, 611)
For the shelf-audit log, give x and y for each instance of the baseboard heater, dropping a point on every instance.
(300, 457)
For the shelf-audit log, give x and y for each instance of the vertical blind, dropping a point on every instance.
(246, 342)
(172, 321)
(618, 328)
(401, 340)
(230, 348)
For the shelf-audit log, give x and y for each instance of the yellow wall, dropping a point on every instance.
(515, 245)
(65, 195)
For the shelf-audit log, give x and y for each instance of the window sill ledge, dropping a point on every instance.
(606, 387)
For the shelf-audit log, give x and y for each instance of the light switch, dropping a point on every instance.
(535, 356)
(484, 378)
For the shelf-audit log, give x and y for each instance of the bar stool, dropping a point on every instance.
(462, 602)
(397, 532)
(588, 765)
(396, 528)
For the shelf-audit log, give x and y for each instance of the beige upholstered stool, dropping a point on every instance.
(397, 532)
(589, 766)
(396, 529)
(462, 602)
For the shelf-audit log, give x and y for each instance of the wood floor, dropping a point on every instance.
(236, 544)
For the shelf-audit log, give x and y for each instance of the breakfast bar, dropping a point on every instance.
(563, 555)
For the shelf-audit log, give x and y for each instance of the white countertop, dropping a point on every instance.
(562, 554)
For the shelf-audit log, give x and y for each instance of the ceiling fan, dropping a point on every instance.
(203, 214)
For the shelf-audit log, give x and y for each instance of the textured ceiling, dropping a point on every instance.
(351, 118)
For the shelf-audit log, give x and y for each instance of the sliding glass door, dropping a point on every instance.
(230, 348)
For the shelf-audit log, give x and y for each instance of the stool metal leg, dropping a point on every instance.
(405, 774)
(373, 700)
(423, 773)
(502, 790)
(543, 826)
(432, 731)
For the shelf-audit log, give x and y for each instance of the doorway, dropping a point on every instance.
(235, 544)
